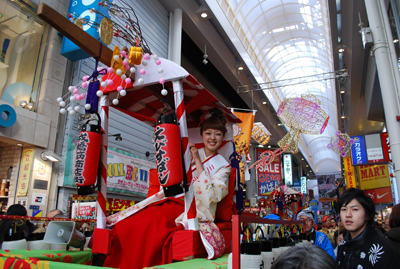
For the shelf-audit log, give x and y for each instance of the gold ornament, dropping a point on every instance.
(135, 55)
(106, 31)
(117, 64)
(79, 23)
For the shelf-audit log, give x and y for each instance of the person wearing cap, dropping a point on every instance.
(315, 237)
(327, 229)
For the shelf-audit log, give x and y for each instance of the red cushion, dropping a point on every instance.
(224, 210)
(154, 183)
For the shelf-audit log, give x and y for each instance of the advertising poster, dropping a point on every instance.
(127, 173)
(358, 152)
(269, 176)
(327, 186)
(84, 210)
(314, 208)
(350, 175)
(381, 195)
(373, 176)
(25, 171)
(374, 148)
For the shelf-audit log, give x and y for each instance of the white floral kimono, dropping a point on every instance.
(210, 187)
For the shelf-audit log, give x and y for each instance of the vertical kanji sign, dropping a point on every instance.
(25, 171)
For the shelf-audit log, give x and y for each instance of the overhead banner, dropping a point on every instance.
(25, 171)
(350, 175)
(242, 137)
(268, 176)
(327, 186)
(381, 195)
(358, 152)
(373, 176)
(126, 173)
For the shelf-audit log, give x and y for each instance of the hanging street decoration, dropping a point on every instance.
(259, 135)
(341, 143)
(301, 115)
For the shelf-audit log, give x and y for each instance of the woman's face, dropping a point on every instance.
(212, 139)
(339, 239)
(353, 218)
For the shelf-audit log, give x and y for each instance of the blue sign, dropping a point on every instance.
(267, 183)
(296, 185)
(34, 207)
(358, 152)
(314, 207)
(10, 116)
(83, 10)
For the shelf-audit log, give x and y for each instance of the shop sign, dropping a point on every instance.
(374, 148)
(380, 195)
(296, 185)
(358, 152)
(268, 176)
(314, 207)
(118, 204)
(25, 171)
(38, 199)
(83, 9)
(350, 175)
(387, 153)
(303, 186)
(128, 173)
(373, 176)
(287, 169)
(84, 210)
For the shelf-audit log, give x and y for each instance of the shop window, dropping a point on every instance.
(22, 44)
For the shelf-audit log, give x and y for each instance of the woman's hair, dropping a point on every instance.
(216, 121)
(394, 220)
(366, 202)
(16, 225)
(16, 210)
(304, 256)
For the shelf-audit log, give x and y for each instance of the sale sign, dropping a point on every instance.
(269, 176)
(84, 210)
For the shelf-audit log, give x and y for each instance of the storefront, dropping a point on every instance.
(30, 76)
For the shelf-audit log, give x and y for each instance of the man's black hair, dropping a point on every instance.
(366, 202)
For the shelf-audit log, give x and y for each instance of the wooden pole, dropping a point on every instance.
(68, 29)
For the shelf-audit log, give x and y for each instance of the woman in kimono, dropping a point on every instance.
(142, 234)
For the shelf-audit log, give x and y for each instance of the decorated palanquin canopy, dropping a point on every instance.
(144, 102)
(301, 115)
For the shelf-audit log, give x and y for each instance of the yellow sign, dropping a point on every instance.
(373, 176)
(25, 171)
(242, 136)
(118, 204)
(350, 175)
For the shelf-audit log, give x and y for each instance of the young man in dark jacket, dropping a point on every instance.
(362, 246)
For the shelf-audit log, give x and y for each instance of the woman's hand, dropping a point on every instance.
(194, 153)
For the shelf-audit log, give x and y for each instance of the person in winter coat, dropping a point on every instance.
(317, 238)
(393, 235)
(362, 246)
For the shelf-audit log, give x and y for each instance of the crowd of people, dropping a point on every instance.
(356, 241)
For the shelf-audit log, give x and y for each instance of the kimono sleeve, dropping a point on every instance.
(323, 242)
(212, 189)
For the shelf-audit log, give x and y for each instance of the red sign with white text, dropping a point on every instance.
(269, 175)
(381, 195)
(387, 153)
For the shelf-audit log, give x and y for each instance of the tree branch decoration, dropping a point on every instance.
(124, 21)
